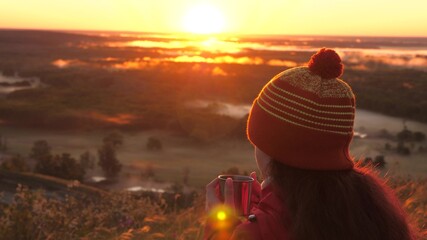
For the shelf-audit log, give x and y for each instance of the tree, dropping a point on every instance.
(68, 168)
(404, 135)
(108, 160)
(367, 161)
(16, 164)
(419, 136)
(379, 161)
(402, 149)
(62, 166)
(40, 150)
(46, 166)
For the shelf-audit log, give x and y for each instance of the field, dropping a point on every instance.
(192, 94)
(123, 216)
(205, 161)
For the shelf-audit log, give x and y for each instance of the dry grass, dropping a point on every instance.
(121, 215)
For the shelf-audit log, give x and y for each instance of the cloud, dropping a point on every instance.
(220, 59)
(65, 63)
(284, 63)
(405, 59)
(138, 63)
(118, 119)
(148, 62)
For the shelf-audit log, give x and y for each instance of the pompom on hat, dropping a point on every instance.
(304, 116)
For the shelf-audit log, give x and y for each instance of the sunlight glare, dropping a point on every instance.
(203, 19)
(221, 215)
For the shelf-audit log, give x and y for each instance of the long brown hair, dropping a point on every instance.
(348, 204)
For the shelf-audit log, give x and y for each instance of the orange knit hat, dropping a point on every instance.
(304, 116)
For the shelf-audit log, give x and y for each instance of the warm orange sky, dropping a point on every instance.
(308, 17)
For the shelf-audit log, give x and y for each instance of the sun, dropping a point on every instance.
(204, 19)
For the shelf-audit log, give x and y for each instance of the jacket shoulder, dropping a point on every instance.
(268, 220)
(247, 231)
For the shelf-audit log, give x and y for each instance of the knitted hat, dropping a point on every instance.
(304, 116)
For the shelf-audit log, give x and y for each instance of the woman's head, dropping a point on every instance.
(301, 124)
(304, 116)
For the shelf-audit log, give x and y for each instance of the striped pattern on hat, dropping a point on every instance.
(315, 112)
(304, 120)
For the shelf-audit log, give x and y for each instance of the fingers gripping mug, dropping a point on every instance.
(242, 186)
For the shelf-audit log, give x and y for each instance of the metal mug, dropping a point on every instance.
(242, 186)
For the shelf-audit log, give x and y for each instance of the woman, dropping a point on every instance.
(301, 125)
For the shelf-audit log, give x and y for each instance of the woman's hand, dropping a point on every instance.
(256, 190)
(213, 194)
(256, 186)
(222, 219)
(213, 197)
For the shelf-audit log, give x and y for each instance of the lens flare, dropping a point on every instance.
(221, 215)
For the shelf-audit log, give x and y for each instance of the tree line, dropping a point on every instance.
(66, 166)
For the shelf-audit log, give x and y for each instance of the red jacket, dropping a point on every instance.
(267, 221)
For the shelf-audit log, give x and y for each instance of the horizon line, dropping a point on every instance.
(210, 34)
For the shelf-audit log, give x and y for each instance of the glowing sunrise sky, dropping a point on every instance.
(308, 17)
